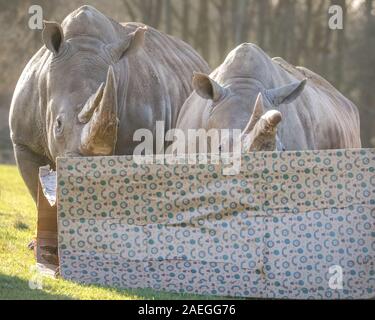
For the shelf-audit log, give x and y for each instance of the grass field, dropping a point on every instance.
(17, 228)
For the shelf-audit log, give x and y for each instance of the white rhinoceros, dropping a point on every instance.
(95, 82)
(249, 92)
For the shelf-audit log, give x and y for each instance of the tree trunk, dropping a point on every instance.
(186, 20)
(203, 30)
(168, 16)
(340, 47)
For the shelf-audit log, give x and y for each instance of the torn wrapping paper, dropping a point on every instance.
(288, 225)
(47, 179)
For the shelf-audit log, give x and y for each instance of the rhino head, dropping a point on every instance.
(234, 108)
(82, 87)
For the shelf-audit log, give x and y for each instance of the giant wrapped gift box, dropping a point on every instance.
(288, 225)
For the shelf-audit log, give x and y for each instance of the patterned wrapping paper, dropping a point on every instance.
(273, 230)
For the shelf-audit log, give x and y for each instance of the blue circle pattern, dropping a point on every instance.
(273, 230)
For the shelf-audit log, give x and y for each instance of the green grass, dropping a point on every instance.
(17, 228)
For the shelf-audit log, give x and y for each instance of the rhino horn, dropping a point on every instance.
(260, 132)
(264, 135)
(99, 134)
(285, 94)
(258, 111)
(129, 45)
(272, 117)
(87, 111)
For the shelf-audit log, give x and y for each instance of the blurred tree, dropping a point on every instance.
(202, 33)
(186, 20)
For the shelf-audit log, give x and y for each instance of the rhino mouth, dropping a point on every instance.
(73, 155)
(99, 116)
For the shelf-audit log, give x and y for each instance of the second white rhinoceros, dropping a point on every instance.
(276, 106)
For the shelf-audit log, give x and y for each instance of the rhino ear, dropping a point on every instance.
(285, 94)
(206, 87)
(130, 45)
(53, 36)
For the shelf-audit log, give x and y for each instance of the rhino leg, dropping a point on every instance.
(28, 164)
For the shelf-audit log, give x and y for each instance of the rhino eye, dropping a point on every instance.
(58, 126)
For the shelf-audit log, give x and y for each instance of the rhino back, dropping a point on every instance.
(330, 120)
(157, 82)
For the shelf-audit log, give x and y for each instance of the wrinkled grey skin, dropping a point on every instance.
(92, 85)
(276, 106)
